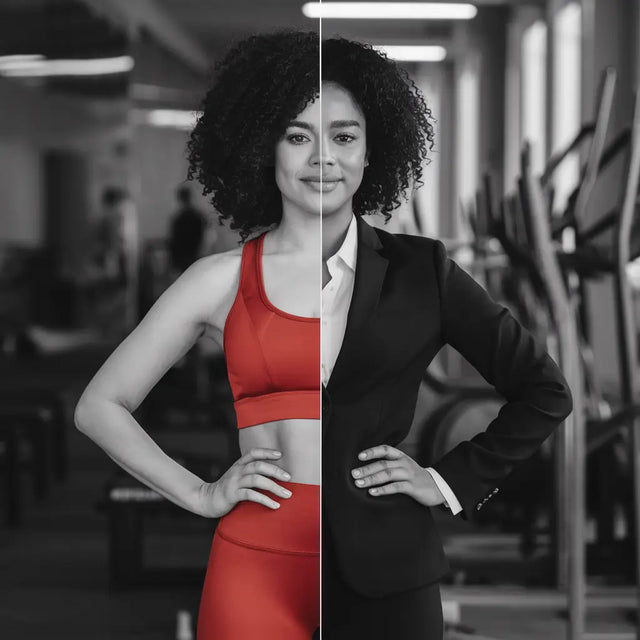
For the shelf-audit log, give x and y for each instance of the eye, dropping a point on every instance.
(345, 138)
(296, 138)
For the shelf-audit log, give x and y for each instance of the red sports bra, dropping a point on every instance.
(273, 357)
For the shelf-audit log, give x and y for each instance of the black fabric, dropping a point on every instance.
(414, 614)
(409, 300)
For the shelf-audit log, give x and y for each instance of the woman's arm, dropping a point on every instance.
(170, 328)
(511, 359)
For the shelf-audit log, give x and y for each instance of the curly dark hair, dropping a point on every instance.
(262, 84)
(397, 121)
(265, 81)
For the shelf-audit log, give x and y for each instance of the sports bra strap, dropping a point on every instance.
(249, 269)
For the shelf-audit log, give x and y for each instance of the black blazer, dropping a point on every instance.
(409, 300)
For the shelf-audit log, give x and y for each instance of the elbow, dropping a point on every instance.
(562, 396)
(568, 402)
(81, 412)
(563, 405)
(91, 407)
(85, 411)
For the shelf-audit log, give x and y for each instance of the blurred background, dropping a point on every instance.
(532, 186)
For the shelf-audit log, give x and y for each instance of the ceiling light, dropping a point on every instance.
(172, 118)
(20, 57)
(413, 53)
(390, 10)
(32, 66)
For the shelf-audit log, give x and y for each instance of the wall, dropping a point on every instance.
(21, 189)
(33, 122)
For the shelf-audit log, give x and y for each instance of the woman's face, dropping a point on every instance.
(320, 160)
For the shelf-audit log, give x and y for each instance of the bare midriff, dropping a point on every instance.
(298, 439)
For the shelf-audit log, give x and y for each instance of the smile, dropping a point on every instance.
(324, 185)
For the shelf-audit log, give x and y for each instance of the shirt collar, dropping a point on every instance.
(349, 248)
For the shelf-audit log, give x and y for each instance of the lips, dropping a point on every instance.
(321, 179)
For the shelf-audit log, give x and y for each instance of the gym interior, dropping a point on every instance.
(533, 187)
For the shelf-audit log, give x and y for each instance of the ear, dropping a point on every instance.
(366, 159)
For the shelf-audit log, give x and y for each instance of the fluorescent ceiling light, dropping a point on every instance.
(390, 10)
(172, 118)
(32, 66)
(20, 57)
(413, 53)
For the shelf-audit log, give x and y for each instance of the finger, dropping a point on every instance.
(266, 469)
(386, 475)
(259, 453)
(255, 496)
(369, 469)
(380, 451)
(260, 482)
(393, 487)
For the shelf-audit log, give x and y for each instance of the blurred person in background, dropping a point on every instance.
(187, 231)
(255, 149)
(116, 263)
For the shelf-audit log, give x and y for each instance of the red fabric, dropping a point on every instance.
(263, 576)
(273, 357)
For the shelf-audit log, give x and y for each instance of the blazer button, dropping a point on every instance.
(478, 507)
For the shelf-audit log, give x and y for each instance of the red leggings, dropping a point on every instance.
(263, 576)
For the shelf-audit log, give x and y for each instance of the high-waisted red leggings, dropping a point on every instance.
(263, 576)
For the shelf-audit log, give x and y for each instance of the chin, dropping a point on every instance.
(328, 207)
(331, 208)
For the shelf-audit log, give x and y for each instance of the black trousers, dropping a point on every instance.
(415, 614)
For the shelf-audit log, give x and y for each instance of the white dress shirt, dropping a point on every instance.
(336, 299)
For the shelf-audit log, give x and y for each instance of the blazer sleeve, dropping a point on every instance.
(508, 357)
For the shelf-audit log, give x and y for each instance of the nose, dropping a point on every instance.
(321, 155)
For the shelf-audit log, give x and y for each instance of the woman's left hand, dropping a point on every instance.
(401, 474)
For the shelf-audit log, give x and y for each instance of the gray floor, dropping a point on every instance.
(53, 575)
(54, 570)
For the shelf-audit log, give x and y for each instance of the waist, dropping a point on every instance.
(299, 440)
(293, 528)
(281, 405)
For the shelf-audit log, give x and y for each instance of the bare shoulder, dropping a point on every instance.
(211, 284)
(215, 266)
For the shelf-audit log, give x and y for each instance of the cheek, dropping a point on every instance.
(353, 164)
(288, 162)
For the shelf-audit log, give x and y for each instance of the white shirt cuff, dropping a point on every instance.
(450, 499)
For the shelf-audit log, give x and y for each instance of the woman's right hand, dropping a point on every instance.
(240, 482)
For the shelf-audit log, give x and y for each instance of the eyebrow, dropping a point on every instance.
(339, 124)
(336, 124)
(300, 124)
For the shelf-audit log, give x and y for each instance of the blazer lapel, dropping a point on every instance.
(371, 267)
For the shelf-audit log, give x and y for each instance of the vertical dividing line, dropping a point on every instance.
(321, 310)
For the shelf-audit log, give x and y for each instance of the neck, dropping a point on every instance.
(334, 231)
(297, 233)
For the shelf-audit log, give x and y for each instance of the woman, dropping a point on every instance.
(391, 302)
(261, 303)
